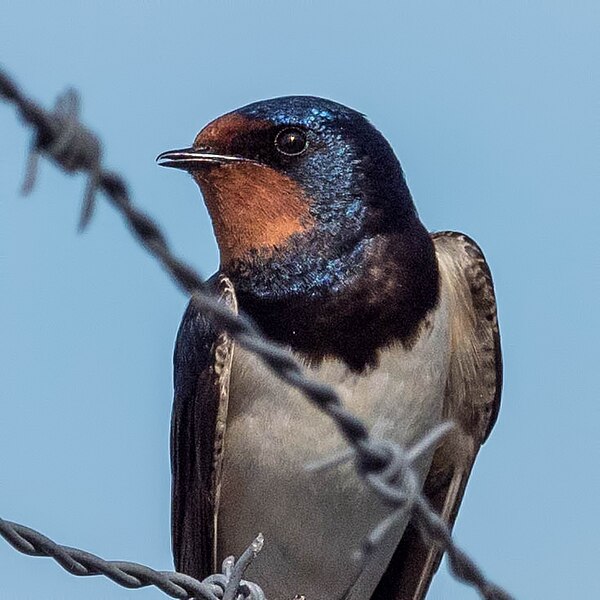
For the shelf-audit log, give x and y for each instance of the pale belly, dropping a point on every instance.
(313, 523)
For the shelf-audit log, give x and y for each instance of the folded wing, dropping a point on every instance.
(202, 364)
(472, 401)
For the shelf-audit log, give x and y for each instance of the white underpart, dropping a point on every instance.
(314, 522)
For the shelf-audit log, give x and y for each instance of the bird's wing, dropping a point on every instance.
(202, 365)
(472, 402)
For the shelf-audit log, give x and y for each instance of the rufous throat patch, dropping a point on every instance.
(252, 207)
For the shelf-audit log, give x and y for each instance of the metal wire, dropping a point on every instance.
(385, 467)
(133, 575)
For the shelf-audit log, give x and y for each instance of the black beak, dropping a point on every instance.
(193, 158)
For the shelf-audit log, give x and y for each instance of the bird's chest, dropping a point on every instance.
(314, 522)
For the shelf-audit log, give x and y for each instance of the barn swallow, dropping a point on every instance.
(320, 243)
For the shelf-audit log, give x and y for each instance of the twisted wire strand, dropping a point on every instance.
(133, 575)
(385, 467)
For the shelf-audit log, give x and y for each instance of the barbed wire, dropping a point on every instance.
(383, 465)
(133, 575)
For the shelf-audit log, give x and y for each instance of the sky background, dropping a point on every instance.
(493, 110)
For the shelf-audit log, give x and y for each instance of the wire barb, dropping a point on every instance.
(133, 575)
(384, 467)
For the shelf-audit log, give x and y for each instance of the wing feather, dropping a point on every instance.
(472, 401)
(202, 364)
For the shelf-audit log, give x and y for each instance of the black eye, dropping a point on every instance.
(291, 141)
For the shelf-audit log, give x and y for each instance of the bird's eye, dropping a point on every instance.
(291, 141)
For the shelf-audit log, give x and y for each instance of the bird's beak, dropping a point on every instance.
(193, 158)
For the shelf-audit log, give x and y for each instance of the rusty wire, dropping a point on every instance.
(383, 465)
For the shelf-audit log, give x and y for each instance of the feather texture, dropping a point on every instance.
(236, 427)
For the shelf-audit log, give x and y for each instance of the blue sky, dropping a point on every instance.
(492, 109)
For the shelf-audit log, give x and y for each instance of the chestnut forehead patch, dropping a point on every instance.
(225, 129)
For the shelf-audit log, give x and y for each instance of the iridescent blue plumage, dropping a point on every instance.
(357, 191)
(347, 158)
(309, 111)
(316, 226)
(364, 272)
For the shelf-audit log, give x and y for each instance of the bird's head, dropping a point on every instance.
(279, 173)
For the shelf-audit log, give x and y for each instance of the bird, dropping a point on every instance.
(321, 245)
